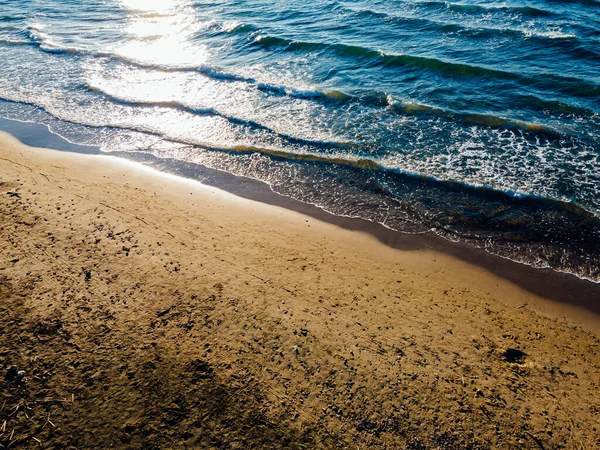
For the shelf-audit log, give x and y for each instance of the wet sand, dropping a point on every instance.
(152, 311)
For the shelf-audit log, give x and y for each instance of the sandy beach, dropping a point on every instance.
(150, 311)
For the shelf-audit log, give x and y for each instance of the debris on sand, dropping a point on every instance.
(512, 355)
(15, 375)
(11, 373)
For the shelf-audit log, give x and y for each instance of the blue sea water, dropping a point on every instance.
(478, 120)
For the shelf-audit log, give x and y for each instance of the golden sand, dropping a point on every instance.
(149, 311)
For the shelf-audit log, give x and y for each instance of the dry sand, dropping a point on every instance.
(148, 311)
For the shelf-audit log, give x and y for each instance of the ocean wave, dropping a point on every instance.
(206, 70)
(9, 41)
(528, 11)
(336, 158)
(11, 18)
(42, 40)
(35, 32)
(216, 73)
(45, 42)
(402, 106)
(238, 28)
(384, 100)
(194, 110)
(550, 34)
(570, 85)
(374, 99)
(385, 59)
(219, 74)
(329, 94)
(476, 30)
(236, 148)
(487, 120)
(577, 2)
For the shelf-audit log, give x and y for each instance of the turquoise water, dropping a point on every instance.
(479, 120)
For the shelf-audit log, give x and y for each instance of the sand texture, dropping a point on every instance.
(153, 312)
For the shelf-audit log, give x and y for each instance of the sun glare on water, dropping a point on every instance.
(160, 33)
(151, 6)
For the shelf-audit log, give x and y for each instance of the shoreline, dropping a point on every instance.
(193, 317)
(561, 287)
(559, 290)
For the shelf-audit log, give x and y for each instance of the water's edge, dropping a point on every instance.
(560, 287)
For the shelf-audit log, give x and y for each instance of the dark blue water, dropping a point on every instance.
(478, 120)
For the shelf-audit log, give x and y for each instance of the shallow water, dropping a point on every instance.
(477, 119)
